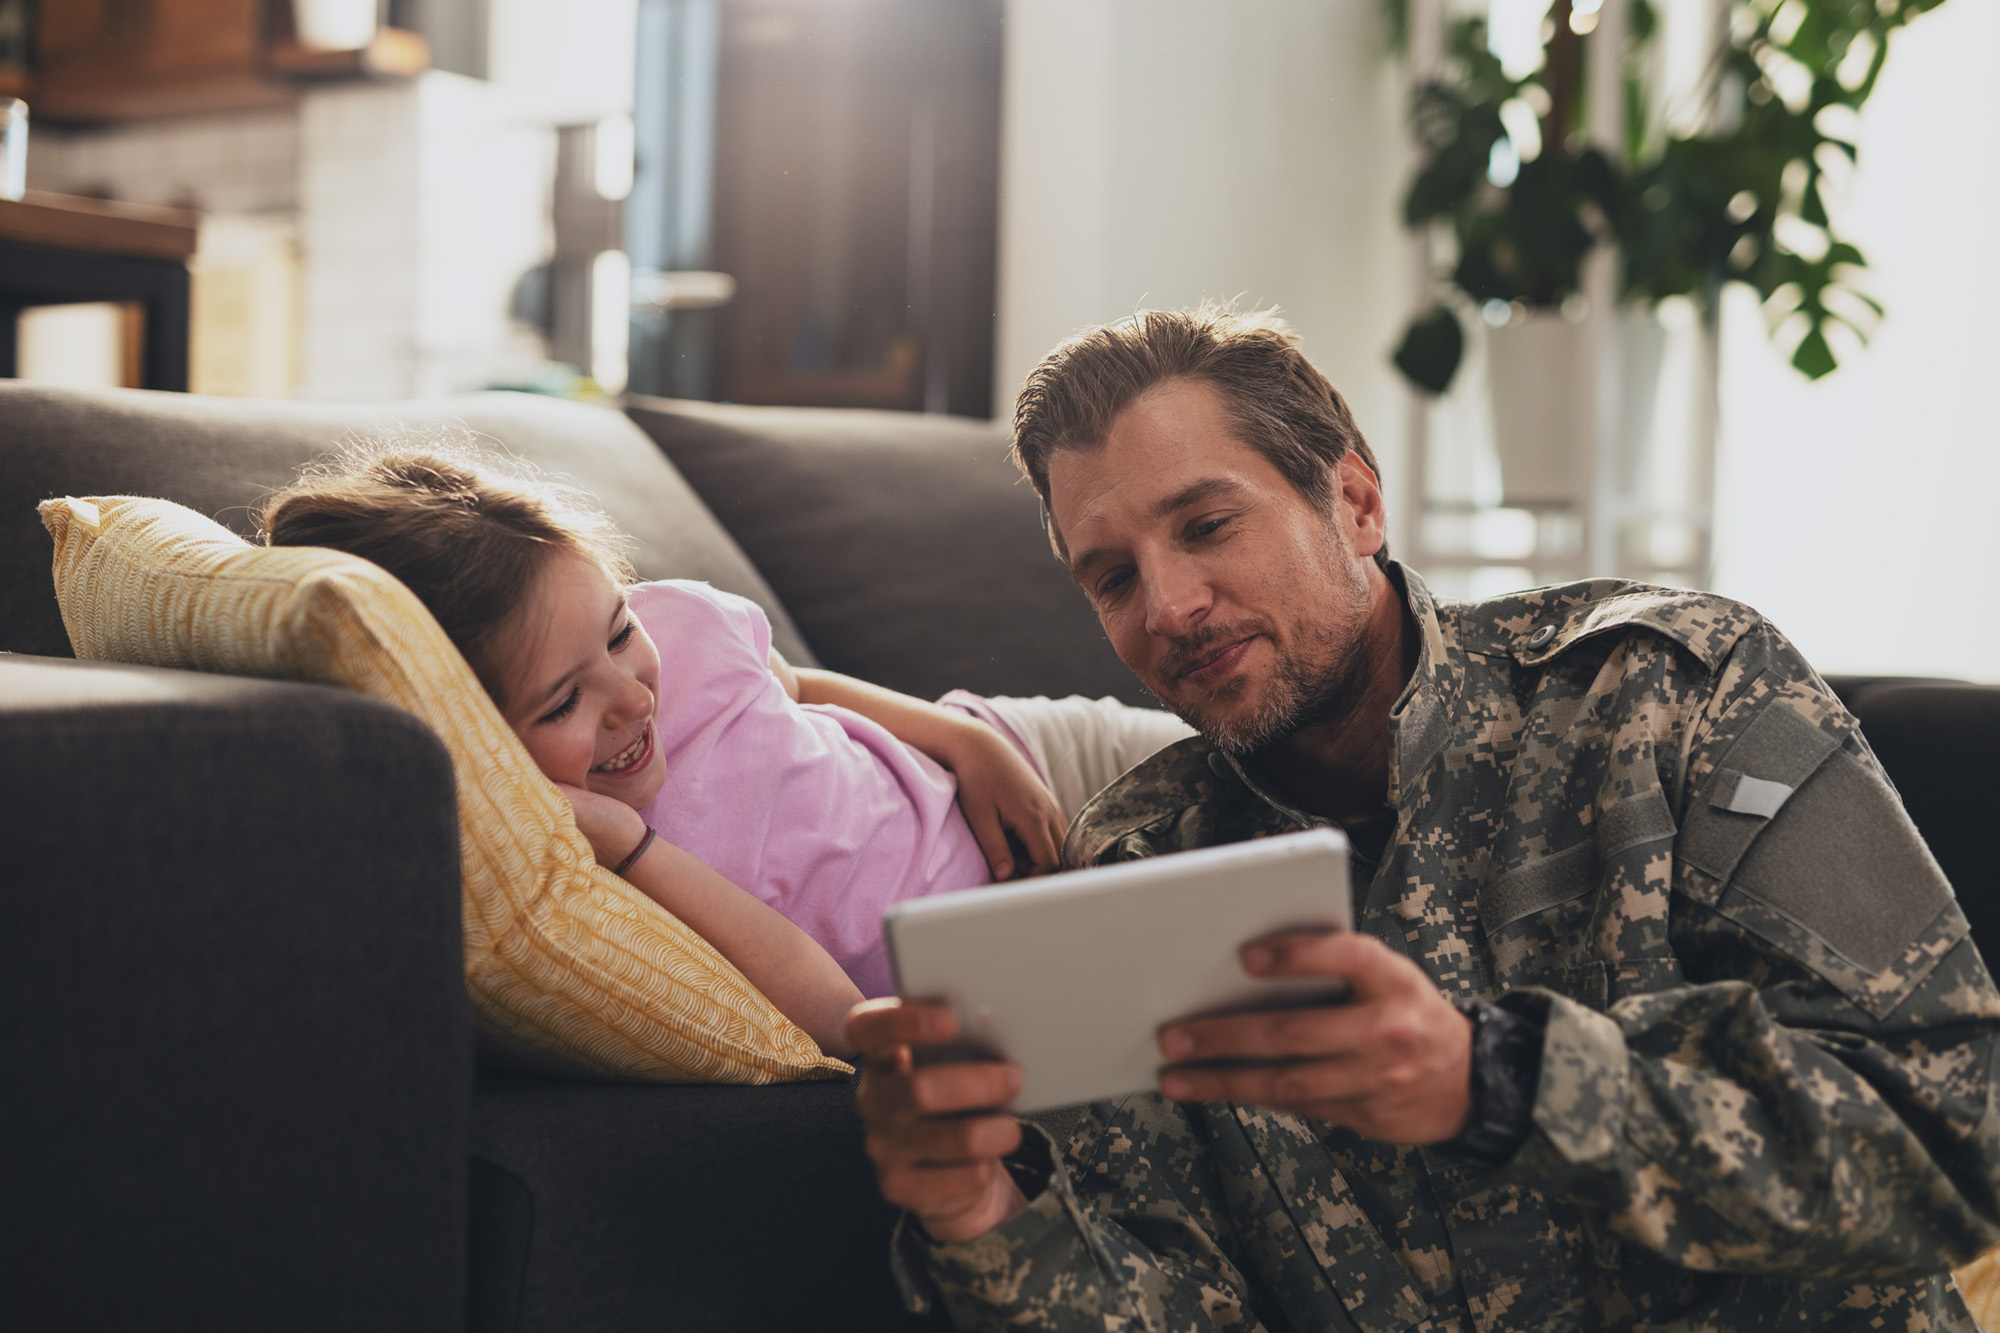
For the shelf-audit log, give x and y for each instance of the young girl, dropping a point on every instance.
(696, 758)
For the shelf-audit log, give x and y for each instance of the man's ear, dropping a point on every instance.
(1358, 496)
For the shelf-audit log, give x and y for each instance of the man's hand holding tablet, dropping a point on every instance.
(1392, 1063)
(1391, 1060)
(932, 1133)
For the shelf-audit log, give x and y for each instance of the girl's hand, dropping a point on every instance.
(1001, 795)
(613, 827)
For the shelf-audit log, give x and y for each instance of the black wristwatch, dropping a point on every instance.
(1506, 1067)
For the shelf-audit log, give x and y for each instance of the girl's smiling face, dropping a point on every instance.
(581, 683)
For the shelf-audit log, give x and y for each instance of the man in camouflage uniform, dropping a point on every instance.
(1662, 1015)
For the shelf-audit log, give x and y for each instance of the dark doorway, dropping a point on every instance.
(852, 172)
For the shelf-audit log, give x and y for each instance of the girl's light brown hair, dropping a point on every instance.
(466, 529)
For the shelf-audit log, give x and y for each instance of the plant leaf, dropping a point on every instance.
(1431, 349)
(1812, 208)
(1813, 358)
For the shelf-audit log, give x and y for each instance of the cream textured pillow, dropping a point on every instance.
(571, 969)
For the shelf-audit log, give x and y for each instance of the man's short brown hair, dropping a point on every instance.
(1278, 401)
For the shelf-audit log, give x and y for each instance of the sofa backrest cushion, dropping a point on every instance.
(570, 968)
(221, 457)
(908, 546)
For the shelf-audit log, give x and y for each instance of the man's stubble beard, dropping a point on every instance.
(1321, 681)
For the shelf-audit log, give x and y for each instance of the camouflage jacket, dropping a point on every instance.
(1767, 1079)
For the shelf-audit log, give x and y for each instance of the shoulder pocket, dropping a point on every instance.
(1758, 776)
(1806, 846)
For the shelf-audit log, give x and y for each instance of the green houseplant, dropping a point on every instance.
(1739, 201)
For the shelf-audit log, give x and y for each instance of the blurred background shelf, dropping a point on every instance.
(98, 225)
(111, 60)
(393, 53)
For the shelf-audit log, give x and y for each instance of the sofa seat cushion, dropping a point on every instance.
(570, 968)
(702, 1210)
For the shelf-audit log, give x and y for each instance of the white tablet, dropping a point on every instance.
(1072, 976)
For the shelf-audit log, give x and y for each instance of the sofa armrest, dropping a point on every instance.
(1936, 740)
(239, 1051)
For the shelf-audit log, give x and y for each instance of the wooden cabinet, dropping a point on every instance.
(56, 250)
(110, 59)
(119, 59)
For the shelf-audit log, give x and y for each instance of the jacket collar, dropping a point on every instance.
(1418, 724)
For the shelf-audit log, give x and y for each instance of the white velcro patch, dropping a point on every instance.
(1756, 796)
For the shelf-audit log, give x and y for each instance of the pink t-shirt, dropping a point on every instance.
(814, 809)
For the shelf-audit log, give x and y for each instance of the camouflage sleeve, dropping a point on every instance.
(1816, 1098)
(1139, 1238)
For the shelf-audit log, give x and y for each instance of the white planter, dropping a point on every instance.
(1537, 378)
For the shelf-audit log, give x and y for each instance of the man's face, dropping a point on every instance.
(1238, 603)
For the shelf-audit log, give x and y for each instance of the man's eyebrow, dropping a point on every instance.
(1081, 565)
(1196, 493)
(1199, 492)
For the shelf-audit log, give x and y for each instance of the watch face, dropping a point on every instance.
(1506, 1066)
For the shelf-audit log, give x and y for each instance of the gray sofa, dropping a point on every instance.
(242, 1091)
(240, 1084)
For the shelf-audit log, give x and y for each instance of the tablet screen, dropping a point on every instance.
(1073, 975)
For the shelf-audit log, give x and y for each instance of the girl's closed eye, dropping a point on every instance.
(624, 636)
(568, 705)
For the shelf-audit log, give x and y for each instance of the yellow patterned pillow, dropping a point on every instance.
(570, 968)
(1979, 1283)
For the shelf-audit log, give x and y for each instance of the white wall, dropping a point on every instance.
(1859, 512)
(1157, 152)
